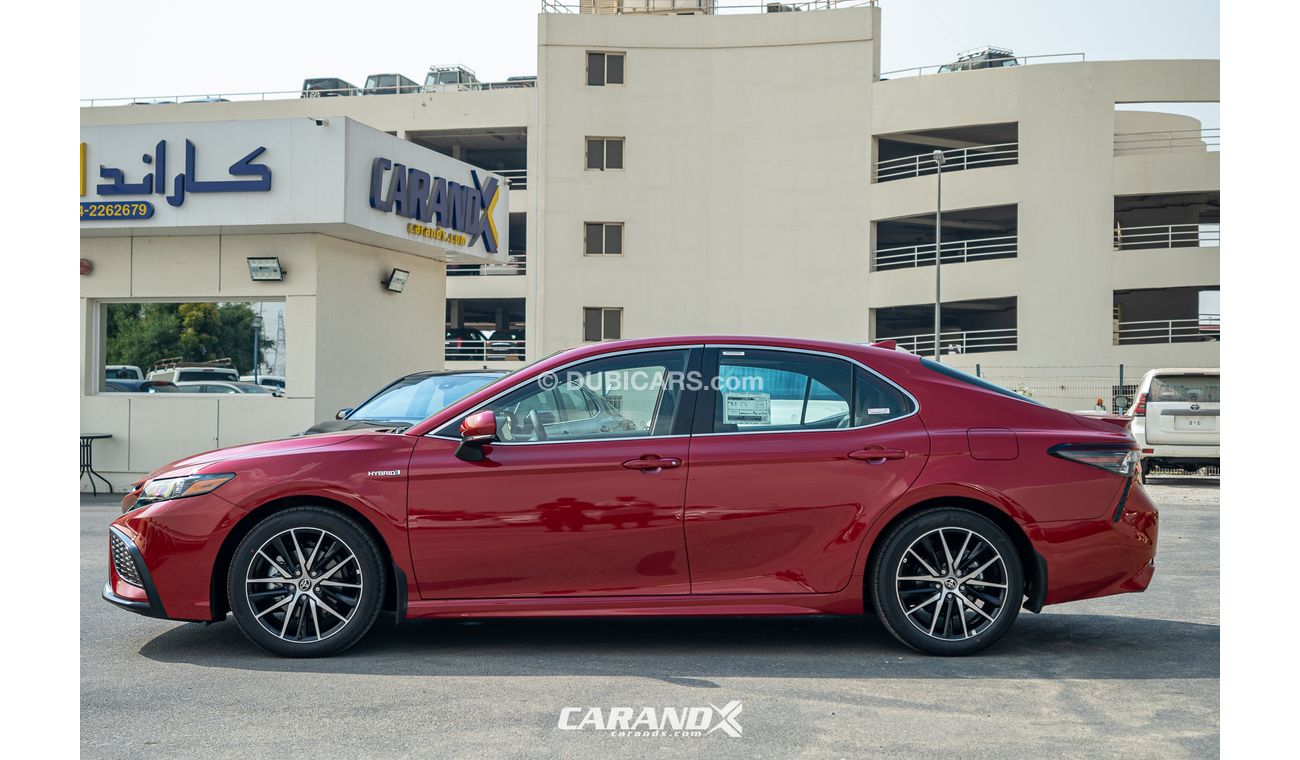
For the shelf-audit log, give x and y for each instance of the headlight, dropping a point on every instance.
(161, 489)
(1120, 460)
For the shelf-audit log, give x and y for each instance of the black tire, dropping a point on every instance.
(340, 601)
(958, 622)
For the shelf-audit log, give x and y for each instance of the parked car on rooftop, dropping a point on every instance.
(139, 386)
(389, 84)
(327, 87)
(123, 372)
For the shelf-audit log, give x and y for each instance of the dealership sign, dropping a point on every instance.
(331, 175)
(416, 194)
(132, 197)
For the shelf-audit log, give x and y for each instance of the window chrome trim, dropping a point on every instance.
(916, 405)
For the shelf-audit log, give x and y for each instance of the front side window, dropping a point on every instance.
(602, 323)
(775, 391)
(628, 396)
(603, 238)
(604, 153)
(604, 68)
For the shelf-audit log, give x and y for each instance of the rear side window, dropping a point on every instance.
(1184, 388)
(978, 382)
(775, 391)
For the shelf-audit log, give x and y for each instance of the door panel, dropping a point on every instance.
(795, 454)
(548, 519)
(582, 494)
(775, 513)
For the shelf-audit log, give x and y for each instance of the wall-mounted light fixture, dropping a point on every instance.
(265, 269)
(396, 281)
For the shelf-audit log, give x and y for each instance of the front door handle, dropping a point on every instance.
(876, 456)
(653, 463)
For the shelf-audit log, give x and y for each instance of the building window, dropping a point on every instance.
(604, 238)
(600, 323)
(604, 68)
(604, 153)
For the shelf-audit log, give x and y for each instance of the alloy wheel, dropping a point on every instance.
(304, 585)
(951, 583)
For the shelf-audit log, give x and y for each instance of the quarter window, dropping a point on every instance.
(603, 238)
(604, 68)
(604, 153)
(875, 400)
(602, 323)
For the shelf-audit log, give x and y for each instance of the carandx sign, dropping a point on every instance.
(416, 194)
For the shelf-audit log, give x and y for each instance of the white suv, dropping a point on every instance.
(1176, 419)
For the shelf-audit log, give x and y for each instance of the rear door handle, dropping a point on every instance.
(653, 463)
(877, 456)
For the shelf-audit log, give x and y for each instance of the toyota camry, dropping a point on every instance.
(667, 476)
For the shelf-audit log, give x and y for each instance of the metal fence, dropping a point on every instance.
(957, 342)
(484, 350)
(1167, 141)
(516, 265)
(1203, 328)
(955, 160)
(1166, 236)
(954, 252)
(680, 7)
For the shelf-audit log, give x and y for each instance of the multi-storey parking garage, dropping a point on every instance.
(674, 169)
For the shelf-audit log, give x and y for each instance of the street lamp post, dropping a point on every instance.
(938, 243)
(257, 357)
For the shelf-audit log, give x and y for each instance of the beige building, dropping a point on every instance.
(686, 171)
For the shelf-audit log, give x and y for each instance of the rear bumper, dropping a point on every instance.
(1206, 453)
(1103, 557)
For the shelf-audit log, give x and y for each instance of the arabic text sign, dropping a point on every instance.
(156, 180)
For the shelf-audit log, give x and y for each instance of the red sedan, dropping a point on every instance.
(666, 476)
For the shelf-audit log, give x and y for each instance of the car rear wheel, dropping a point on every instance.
(947, 582)
(306, 582)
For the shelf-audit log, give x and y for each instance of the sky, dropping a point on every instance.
(152, 48)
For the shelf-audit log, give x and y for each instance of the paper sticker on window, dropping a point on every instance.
(877, 410)
(747, 409)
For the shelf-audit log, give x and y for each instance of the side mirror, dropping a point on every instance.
(342, 414)
(476, 430)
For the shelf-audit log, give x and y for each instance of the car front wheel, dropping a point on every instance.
(947, 582)
(306, 582)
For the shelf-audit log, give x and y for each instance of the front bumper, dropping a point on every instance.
(169, 550)
(125, 594)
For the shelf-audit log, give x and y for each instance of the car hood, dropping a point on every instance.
(249, 450)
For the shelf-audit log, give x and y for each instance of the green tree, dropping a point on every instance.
(142, 333)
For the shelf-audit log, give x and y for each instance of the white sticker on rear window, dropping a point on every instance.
(747, 409)
(878, 410)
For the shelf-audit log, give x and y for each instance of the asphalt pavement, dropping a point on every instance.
(1131, 676)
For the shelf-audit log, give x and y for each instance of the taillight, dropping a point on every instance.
(1118, 459)
(1141, 407)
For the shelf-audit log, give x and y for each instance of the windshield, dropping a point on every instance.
(413, 399)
